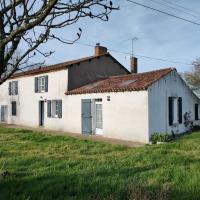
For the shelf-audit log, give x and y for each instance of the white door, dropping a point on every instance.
(99, 118)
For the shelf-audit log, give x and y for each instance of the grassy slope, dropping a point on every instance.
(56, 167)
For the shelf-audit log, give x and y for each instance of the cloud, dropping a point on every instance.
(159, 36)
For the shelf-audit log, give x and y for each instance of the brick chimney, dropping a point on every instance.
(100, 50)
(134, 65)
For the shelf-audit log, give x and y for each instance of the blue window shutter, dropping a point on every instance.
(9, 88)
(196, 112)
(16, 88)
(14, 108)
(48, 108)
(36, 85)
(180, 116)
(60, 108)
(46, 83)
(170, 101)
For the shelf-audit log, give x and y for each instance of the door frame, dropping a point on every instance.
(98, 131)
(41, 113)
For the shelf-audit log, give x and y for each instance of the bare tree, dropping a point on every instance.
(31, 23)
(193, 77)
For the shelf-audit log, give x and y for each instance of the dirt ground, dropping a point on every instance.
(85, 137)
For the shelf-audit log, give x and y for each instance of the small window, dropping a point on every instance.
(196, 111)
(13, 88)
(14, 108)
(54, 108)
(41, 84)
(98, 100)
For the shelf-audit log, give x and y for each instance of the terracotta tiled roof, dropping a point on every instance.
(56, 67)
(131, 82)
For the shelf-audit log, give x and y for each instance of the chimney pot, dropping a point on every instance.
(134, 65)
(100, 49)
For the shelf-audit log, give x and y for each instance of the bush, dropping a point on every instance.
(196, 128)
(160, 137)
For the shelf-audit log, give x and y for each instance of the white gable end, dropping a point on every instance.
(173, 86)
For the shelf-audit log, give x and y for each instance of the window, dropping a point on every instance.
(54, 108)
(98, 100)
(14, 108)
(41, 84)
(3, 113)
(13, 88)
(196, 113)
(175, 110)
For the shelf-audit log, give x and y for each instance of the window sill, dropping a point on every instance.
(56, 117)
(40, 92)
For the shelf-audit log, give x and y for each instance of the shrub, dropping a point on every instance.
(196, 128)
(160, 137)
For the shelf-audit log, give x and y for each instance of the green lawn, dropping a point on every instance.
(47, 167)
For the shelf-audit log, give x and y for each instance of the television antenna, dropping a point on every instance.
(133, 40)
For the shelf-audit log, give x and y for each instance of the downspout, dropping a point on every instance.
(148, 110)
(166, 111)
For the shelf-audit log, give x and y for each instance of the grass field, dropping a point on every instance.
(41, 166)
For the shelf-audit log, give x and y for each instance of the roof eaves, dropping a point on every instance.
(55, 67)
(106, 90)
(163, 75)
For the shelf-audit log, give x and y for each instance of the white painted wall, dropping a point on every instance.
(171, 85)
(125, 116)
(128, 115)
(28, 101)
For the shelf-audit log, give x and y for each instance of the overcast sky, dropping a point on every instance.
(159, 36)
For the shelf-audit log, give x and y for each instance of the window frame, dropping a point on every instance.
(176, 115)
(13, 88)
(54, 108)
(41, 84)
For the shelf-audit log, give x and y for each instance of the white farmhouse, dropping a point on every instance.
(97, 95)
